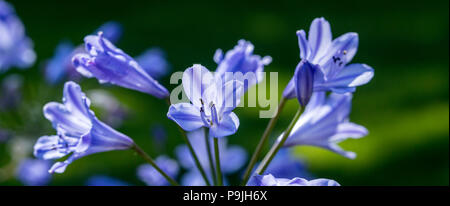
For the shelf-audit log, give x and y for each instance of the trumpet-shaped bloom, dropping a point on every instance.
(211, 103)
(325, 122)
(16, 49)
(241, 59)
(232, 158)
(270, 180)
(152, 177)
(34, 172)
(331, 57)
(79, 132)
(154, 62)
(111, 65)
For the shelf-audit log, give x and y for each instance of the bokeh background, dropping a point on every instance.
(405, 107)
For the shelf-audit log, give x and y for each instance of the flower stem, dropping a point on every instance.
(263, 141)
(191, 150)
(219, 171)
(146, 157)
(208, 150)
(277, 145)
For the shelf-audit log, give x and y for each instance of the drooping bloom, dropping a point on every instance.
(111, 65)
(241, 60)
(103, 180)
(325, 122)
(16, 49)
(154, 62)
(34, 172)
(232, 158)
(331, 57)
(152, 177)
(79, 132)
(270, 180)
(212, 103)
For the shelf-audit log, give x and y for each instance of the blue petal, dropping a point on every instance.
(186, 115)
(232, 158)
(319, 38)
(227, 126)
(305, 50)
(45, 148)
(230, 96)
(112, 31)
(350, 76)
(304, 82)
(196, 80)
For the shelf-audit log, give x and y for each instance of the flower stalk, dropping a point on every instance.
(210, 158)
(219, 171)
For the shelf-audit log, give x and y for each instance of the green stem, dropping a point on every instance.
(273, 151)
(208, 150)
(219, 171)
(146, 157)
(191, 150)
(263, 141)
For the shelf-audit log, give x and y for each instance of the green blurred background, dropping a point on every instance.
(405, 106)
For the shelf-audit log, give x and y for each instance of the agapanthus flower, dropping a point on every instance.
(34, 172)
(331, 57)
(10, 92)
(16, 49)
(212, 103)
(112, 31)
(241, 59)
(270, 180)
(79, 132)
(325, 123)
(232, 158)
(111, 65)
(152, 177)
(103, 180)
(60, 64)
(154, 62)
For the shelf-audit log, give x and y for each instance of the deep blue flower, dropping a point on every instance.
(212, 103)
(79, 132)
(325, 122)
(112, 31)
(16, 49)
(241, 59)
(331, 57)
(10, 92)
(34, 172)
(232, 158)
(111, 65)
(154, 62)
(152, 177)
(304, 82)
(270, 180)
(102, 180)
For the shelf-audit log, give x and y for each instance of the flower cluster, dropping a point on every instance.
(323, 82)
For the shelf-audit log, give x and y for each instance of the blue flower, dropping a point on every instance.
(241, 59)
(16, 49)
(331, 57)
(154, 62)
(270, 180)
(325, 122)
(232, 158)
(79, 132)
(34, 172)
(102, 180)
(304, 82)
(152, 177)
(111, 30)
(285, 165)
(59, 65)
(111, 65)
(212, 103)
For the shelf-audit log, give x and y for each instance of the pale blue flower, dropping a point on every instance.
(331, 57)
(79, 132)
(270, 180)
(152, 177)
(111, 65)
(212, 103)
(34, 172)
(325, 123)
(241, 59)
(154, 62)
(103, 180)
(16, 49)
